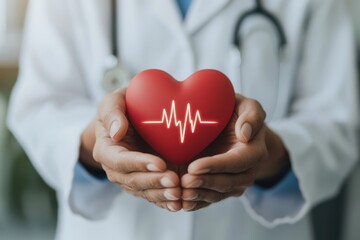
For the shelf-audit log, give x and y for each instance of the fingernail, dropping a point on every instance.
(171, 208)
(202, 171)
(153, 168)
(195, 184)
(114, 128)
(166, 182)
(169, 196)
(192, 198)
(246, 131)
(190, 208)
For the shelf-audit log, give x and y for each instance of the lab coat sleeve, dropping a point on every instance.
(50, 104)
(320, 132)
(86, 189)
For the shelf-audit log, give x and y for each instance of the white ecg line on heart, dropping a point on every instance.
(181, 125)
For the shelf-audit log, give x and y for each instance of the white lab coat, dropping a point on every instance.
(312, 106)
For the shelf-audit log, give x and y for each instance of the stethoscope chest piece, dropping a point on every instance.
(116, 76)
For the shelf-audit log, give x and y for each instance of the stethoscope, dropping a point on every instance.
(117, 75)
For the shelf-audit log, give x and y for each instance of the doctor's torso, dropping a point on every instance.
(153, 34)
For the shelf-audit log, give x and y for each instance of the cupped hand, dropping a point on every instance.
(246, 151)
(126, 159)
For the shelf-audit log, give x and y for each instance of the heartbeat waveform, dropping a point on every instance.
(182, 125)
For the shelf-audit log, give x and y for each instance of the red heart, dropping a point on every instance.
(180, 119)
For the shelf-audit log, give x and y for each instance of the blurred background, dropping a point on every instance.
(28, 206)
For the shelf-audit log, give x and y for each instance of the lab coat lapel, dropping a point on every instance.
(169, 15)
(201, 12)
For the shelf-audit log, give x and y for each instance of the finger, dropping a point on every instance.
(196, 199)
(112, 114)
(124, 161)
(190, 206)
(222, 183)
(208, 196)
(236, 160)
(158, 195)
(239, 159)
(145, 181)
(170, 206)
(251, 119)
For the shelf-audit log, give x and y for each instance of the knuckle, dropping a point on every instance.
(132, 192)
(122, 164)
(200, 205)
(254, 116)
(152, 183)
(205, 182)
(102, 110)
(96, 153)
(190, 195)
(106, 99)
(118, 166)
(238, 193)
(173, 176)
(195, 195)
(211, 197)
(111, 176)
(249, 182)
(162, 205)
(229, 187)
(251, 179)
(109, 117)
(108, 107)
(99, 151)
(218, 197)
(189, 206)
(223, 189)
(136, 193)
(146, 195)
(166, 206)
(253, 102)
(139, 166)
(102, 105)
(246, 181)
(130, 182)
(258, 109)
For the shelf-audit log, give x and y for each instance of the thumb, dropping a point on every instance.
(250, 121)
(117, 125)
(243, 131)
(112, 115)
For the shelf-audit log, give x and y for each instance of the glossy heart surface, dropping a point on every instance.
(179, 119)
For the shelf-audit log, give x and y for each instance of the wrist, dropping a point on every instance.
(277, 164)
(86, 158)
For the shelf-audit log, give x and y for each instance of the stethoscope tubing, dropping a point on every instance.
(237, 41)
(114, 29)
(237, 38)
